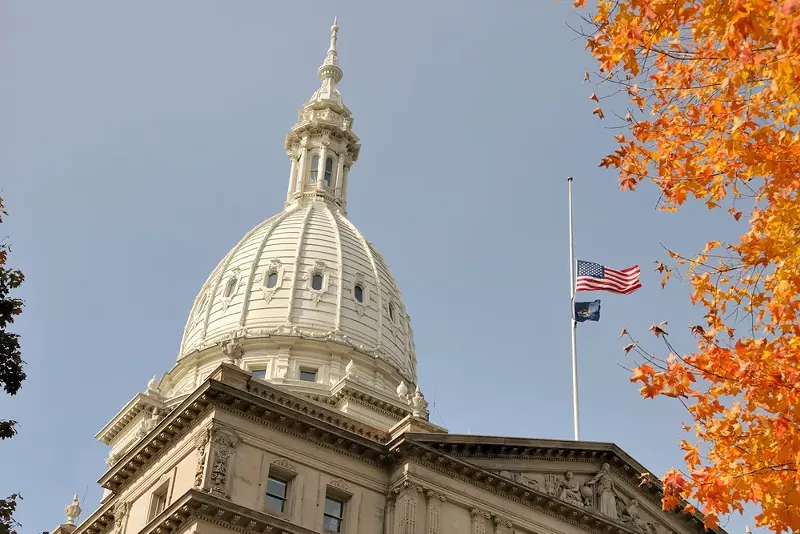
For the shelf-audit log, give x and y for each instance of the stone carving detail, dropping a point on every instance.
(223, 445)
(501, 525)
(419, 405)
(317, 269)
(229, 289)
(338, 483)
(152, 387)
(232, 348)
(275, 267)
(73, 510)
(120, 513)
(479, 519)
(630, 516)
(602, 493)
(284, 464)
(150, 421)
(202, 450)
(435, 501)
(402, 391)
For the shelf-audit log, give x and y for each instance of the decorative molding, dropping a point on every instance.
(320, 269)
(233, 278)
(284, 464)
(340, 484)
(223, 447)
(274, 266)
(201, 443)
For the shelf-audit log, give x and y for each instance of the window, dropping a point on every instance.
(158, 501)
(334, 513)
(328, 172)
(272, 280)
(312, 175)
(358, 292)
(316, 282)
(308, 375)
(230, 287)
(276, 494)
(259, 373)
(391, 311)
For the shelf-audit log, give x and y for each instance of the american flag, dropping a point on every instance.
(595, 277)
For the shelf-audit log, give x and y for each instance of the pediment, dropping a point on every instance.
(596, 479)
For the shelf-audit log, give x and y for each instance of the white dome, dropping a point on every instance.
(264, 287)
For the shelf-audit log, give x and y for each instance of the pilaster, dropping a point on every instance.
(479, 519)
(434, 512)
(502, 525)
(406, 509)
(323, 157)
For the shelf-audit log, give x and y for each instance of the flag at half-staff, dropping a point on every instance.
(596, 277)
(587, 311)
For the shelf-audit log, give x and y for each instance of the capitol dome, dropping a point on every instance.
(306, 272)
(304, 300)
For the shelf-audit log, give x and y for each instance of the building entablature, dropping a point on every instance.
(231, 389)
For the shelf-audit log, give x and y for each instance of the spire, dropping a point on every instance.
(329, 72)
(322, 145)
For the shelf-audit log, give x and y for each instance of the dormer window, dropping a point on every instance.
(230, 287)
(328, 172)
(391, 311)
(312, 175)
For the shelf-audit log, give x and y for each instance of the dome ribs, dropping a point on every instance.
(254, 265)
(296, 263)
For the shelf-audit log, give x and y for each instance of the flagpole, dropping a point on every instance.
(573, 323)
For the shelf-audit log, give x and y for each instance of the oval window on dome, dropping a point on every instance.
(391, 311)
(272, 280)
(358, 292)
(316, 282)
(230, 287)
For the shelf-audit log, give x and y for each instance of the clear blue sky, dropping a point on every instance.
(140, 140)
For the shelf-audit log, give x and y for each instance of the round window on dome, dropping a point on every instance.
(358, 293)
(230, 287)
(272, 280)
(316, 282)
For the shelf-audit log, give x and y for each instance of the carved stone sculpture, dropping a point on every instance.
(201, 444)
(604, 494)
(73, 510)
(152, 387)
(232, 348)
(419, 405)
(224, 447)
(120, 512)
(570, 490)
(402, 391)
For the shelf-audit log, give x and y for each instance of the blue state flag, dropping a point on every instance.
(587, 311)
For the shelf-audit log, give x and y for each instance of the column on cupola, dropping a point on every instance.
(292, 176)
(301, 175)
(337, 185)
(345, 174)
(323, 157)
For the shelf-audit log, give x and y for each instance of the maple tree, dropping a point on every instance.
(11, 364)
(714, 87)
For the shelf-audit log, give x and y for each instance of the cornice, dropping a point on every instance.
(100, 521)
(196, 506)
(261, 403)
(429, 457)
(133, 408)
(465, 446)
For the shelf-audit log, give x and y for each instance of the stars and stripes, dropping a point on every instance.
(595, 277)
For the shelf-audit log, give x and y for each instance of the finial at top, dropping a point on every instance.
(331, 58)
(73, 511)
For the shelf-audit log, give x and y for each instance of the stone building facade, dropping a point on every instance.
(293, 405)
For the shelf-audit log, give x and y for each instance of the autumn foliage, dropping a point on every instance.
(713, 89)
